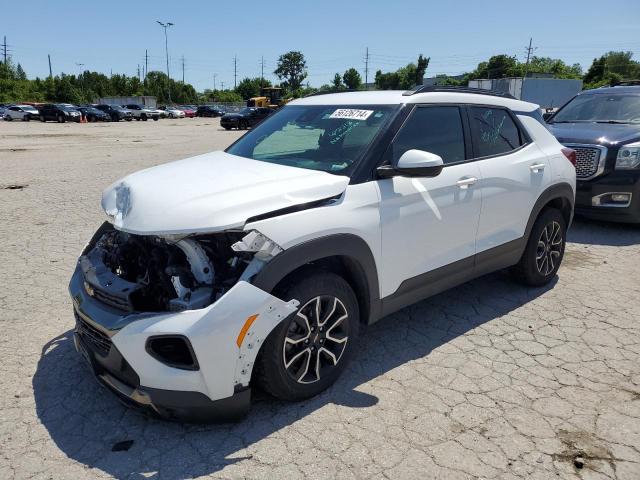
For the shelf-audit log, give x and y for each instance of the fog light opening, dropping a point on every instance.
(612, 199)
(173, 350)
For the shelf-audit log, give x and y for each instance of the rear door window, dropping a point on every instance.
(494, 131)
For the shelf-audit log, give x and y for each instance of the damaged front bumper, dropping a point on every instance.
(223, 338)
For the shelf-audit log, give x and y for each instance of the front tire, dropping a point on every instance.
(61, 119)
(544, 251)
(309, 350)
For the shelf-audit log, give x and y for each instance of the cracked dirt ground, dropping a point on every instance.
(489, 380)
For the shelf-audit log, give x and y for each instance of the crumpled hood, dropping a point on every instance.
(606, 134)
(211, 192)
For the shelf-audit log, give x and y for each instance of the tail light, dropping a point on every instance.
(571, 155)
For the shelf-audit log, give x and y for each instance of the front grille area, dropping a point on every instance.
(112, 300)
(588, 160)
(92, 337)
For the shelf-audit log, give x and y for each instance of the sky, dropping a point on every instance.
(111, 36)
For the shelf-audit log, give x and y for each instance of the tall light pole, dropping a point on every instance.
(166, 48)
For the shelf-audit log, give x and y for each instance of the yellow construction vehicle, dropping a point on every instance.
(270, 97)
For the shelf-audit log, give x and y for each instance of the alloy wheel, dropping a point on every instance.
(549, 248)
(316, 339)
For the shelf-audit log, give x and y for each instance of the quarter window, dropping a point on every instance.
(494, 131)
(432, 129)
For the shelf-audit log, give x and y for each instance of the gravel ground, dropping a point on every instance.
(489, 380)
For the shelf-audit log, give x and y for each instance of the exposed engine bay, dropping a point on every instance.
(154, 273)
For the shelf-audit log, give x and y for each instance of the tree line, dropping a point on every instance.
(291, 70)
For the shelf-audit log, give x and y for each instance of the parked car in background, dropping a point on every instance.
(92, 114)
(59, 112)
(209, 111)
(245, 118)
(116, 112)
(158, 112)
(21, 112)
(603, 127)
(260, 265)
(172, 112)
(189, 112)
(140, 112)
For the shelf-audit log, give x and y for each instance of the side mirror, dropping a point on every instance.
(414, 163)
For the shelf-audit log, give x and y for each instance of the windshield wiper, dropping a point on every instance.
(612, 121)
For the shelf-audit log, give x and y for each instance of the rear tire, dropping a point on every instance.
(61, 119)
(544, 251)
(27, 118)
(42, 119)
(305, 354)
(8, 118)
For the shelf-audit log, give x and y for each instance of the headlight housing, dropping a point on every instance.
(628, 157)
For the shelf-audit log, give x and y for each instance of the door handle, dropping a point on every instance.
(537, 167)
(466, 182)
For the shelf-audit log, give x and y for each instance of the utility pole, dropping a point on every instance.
(366, 69)
(235, 71)
(50, 71)
(214, 81)
(146, 64)
(261, 74)
(183, 69)
(4, 50)
(166, 48)
(222, 86)
(139, 77)
(529, 51)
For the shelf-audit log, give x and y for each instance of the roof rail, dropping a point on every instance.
(329, 92)
(454, 89)
(625, 83)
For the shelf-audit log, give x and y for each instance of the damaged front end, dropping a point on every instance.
(172, 322)
(150, 273)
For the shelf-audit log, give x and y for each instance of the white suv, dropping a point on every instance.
(260, 264)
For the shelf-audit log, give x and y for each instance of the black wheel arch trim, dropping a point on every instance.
(352, 248)
(562, 191)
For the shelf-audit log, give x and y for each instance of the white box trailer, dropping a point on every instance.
(147, 101)
(546, 92)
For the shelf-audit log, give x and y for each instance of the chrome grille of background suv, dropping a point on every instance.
(588, 164)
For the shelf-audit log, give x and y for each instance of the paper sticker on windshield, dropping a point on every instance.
(351, 114)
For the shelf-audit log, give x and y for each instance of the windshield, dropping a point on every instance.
(66, 108)
(606, 108)
(317, 137)
(247, 111)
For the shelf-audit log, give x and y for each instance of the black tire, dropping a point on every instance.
(143, 117)
(128, 119)
(61, 119)
(7, 118)
(27, 118)
(544, 251)
(91, 119)
(156, 118)
(227, 128)
(42, 119)
(335, 299)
